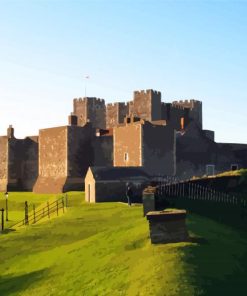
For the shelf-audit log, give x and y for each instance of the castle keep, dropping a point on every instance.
(159, 137)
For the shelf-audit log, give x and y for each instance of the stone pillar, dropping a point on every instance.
(148, 199)
(167, 226)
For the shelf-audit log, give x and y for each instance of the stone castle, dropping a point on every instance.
(162, 138)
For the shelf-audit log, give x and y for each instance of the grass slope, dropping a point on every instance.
(104, 249)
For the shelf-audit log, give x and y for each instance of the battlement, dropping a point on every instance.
(117, 104)
(191, 104)
(88, 99)
(147, 92)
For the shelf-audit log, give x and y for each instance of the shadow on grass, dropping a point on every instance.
(14, 284)
(217, 263)
(8, 230)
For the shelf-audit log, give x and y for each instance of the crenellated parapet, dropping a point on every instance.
(191, 104)
(147, 92)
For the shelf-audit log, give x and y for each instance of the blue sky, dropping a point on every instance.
(185, 49)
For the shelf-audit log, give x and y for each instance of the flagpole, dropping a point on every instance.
(86, 77)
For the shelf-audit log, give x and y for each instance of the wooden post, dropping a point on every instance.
(34, 215)
(57, 207)
(2, 227)
(26, 213)
(63, 203)
(43, 212)
(48, 210)
(66, 199)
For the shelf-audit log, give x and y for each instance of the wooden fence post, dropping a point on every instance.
(2, 227)
(66, 199)
(48, 210)
(26, 213)
(57, 207)
(63, 203)
(34, 215)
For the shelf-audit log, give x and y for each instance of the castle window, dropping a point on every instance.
(234, 167)
(210, 168)
(126, 156)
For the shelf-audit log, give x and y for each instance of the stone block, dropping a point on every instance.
(167, 226)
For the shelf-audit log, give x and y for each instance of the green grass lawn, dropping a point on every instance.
(104, 249)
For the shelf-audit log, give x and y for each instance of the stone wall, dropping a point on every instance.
(127, 145)
(80, 156)
(30, 162)
(159, 149)
(3, 163)
(18, 163)
(103, 151)
(65, 155)
(195, 151)
(53, 161)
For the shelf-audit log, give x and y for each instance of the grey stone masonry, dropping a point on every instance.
(167, 226)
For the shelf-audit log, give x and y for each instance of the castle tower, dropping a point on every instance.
(194, 108)
(115, 114)
(146, 105)
(90, 110)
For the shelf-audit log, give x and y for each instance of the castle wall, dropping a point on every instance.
(29, 170)
(65, 154)
(195, 151)
(127, 145)
(3, 163)
(159, 149)
(195, 109)
(147, 105)
(103, 151)
(53, 160)
(80, 156)
(18, 163)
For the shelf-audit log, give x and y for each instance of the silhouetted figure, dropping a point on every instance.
(129, 194)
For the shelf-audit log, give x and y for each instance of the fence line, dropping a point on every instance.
(195, 191)
(37, 215)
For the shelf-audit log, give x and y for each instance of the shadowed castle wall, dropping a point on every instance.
(159, 149)
(18, 163)
(103, 151)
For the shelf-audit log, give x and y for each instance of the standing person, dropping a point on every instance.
(129, 194)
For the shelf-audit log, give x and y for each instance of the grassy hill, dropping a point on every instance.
(104, 249)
